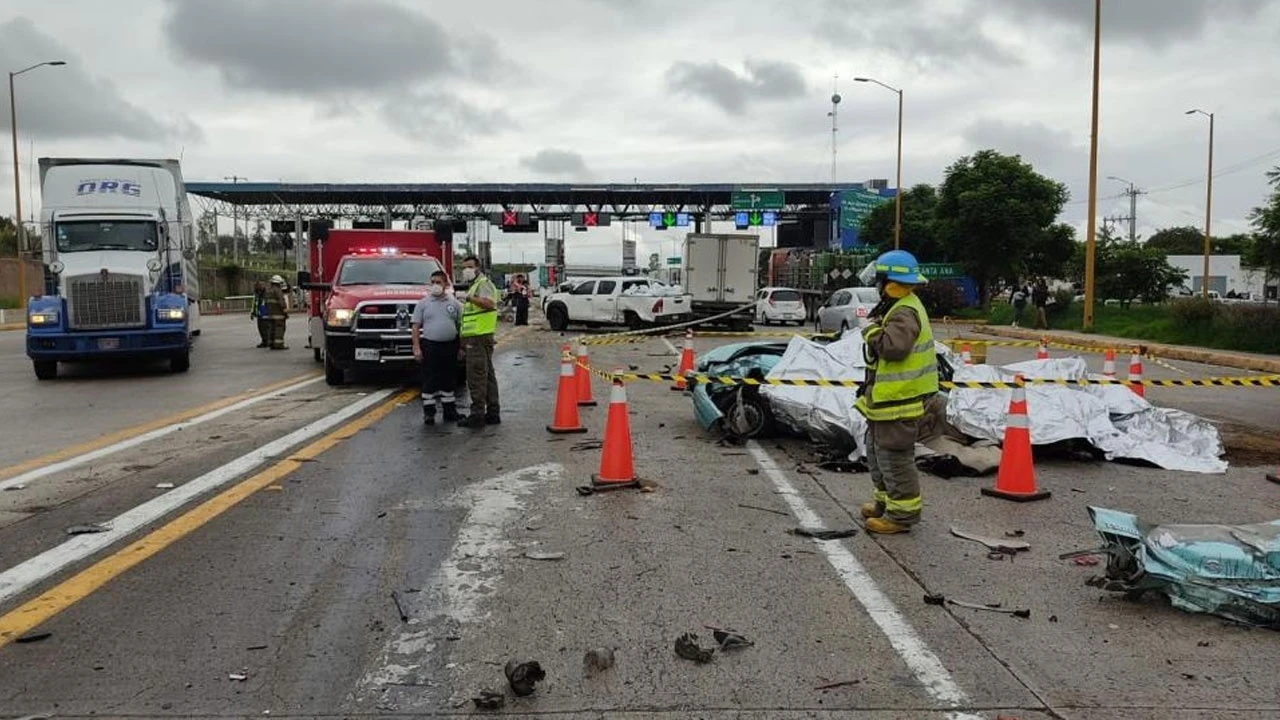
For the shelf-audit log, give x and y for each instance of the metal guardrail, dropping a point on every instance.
(232, 304)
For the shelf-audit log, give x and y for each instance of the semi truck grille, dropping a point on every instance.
(105, 301)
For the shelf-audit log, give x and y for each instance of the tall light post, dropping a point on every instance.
(897, 197)
(1208, 203)
(21, 235)
(1091, 229)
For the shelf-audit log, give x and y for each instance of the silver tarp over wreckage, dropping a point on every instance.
(1111, 418)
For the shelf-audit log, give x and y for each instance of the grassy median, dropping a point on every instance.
(1224, 326)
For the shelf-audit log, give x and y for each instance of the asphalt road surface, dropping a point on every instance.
(322, 554)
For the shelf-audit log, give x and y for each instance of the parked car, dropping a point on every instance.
(779, 305)
(846, 308)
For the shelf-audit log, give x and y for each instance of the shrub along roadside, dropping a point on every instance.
(1224, 326)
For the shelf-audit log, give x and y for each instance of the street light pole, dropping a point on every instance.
(21, 235)
(1208, 205)
(1091, 231)
(897, 197)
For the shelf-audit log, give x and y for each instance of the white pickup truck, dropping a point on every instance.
(632, 301)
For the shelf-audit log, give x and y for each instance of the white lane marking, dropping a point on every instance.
(57, 467)
(466, 576)
(926, 666)
(24, 575)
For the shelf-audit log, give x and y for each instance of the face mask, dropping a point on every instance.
(468, 274)
(437, 290)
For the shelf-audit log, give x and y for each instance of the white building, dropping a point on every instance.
(1225, 275)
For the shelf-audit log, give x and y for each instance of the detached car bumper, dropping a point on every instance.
(70, 347)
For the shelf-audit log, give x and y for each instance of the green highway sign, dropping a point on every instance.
(757, 200)
(857, 204)
(673, 261)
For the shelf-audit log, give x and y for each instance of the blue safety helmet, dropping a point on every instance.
(900, 266)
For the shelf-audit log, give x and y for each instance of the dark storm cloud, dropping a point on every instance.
(69, 101)
(1032, 140)
(320, 47)
(765, 80)
(553, 161)
(440, 117)
(914, 31)
(1154, 22)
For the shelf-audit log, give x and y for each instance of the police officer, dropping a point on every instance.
(259, 313)
(902, 376)
(479, 321)
(277, 312)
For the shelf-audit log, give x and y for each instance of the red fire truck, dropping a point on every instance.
(364, 285)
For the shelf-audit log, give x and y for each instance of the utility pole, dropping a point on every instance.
(235, 242)
(1090, 242)
(1133, 192)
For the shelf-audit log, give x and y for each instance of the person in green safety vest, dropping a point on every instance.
(902, 376)
(479, 321)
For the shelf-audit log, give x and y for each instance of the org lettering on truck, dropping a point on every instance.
(100, 187)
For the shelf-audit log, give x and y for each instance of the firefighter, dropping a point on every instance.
(479, 322)
(902, 376)
(259, 313)
(277, 311)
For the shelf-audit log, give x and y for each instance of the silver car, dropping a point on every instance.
(846, 308)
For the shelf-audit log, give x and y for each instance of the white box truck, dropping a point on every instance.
(120, 262)
(720, 274)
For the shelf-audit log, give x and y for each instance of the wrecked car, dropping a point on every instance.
(1232, 571)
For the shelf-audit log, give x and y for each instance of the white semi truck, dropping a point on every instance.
(120, 264)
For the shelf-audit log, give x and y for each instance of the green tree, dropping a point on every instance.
(1189, 240)
(919, 227)
(1265, 251)
(1126, 271)
(994, 209)
(1048, 252)
(8, 237)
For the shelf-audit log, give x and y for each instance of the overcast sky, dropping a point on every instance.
(654, 90)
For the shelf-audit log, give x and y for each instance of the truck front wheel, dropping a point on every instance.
(333, 374)
(558, 318)
(180, 363)
(45, 369)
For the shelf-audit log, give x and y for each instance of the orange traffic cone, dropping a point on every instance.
(965, 354)
(617, 469)
(1016, 479)
(582, 377)
(1135, 375)
(1042, 352)
(1109, 364)
(566, 417)
(686, 360)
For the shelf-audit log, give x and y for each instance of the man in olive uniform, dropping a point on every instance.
(259, 313)
(902, 378)
(277, 312)
(479, 322)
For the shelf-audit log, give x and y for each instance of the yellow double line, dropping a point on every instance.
(32, 613)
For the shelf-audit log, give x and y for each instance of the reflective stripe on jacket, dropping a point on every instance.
(898, 388)
(477, 321)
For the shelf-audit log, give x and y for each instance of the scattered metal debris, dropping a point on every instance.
(992, 543)
(90, 528)
(534, 555)
(33, 637)
(489, 700)
(763, 509)
(597, 660)
(395, 598)
(753, 471)
(256, 647)
(165, 486)
(730, 640)
(822, 534)
(842, 683)
(238, 677)
(15, 487)
(940, 599)
(687, 647)
(1225, 570)
(587, 445)
(524, 675)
